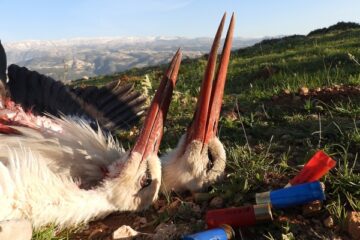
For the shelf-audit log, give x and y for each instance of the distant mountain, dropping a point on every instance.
(78, 58)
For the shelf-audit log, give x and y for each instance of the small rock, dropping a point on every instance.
(15, 229)
(328, 89)
(353, 224)
(124, 232)
(184, 100)
(303, 91)
(329, 222)
(216, 202)
(318, 89)
(98, 234)
(102, 231)
(286, 92)
(312, 208)
(139, 222)
(314, 116)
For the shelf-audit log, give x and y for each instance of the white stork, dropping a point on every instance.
(61, 171)
(199, 159)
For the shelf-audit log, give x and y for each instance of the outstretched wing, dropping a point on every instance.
(112, 106)
(2, 63)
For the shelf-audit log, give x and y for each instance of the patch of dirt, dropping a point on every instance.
(103, 229)
(154, 222)
(325, 94)
(183, 216)
(275, 180)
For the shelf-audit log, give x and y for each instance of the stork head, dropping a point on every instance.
(135, 179)
(199, 159)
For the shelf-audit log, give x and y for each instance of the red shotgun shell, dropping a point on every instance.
(313, 170)
(238, 217)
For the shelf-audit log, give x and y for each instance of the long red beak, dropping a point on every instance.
(150, 136)
(207, 114)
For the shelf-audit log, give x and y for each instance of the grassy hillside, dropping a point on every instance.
(284, 99)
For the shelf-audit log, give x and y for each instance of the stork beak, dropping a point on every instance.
(150, 136)
(207, 114)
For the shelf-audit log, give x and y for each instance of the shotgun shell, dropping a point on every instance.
(238, 217)
(224, 232)
(292, 196)
(314, 169)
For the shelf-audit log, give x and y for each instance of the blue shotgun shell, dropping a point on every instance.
(292, 196)
(225, 232)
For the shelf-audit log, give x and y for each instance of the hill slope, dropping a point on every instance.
(272, 65)
(285, 98)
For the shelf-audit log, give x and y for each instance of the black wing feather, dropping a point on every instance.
(113, 106)
(2, 64)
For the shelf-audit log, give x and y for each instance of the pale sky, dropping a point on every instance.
(60, 19)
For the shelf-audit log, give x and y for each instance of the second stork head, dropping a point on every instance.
(199, 158)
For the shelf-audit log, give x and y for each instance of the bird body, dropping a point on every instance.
(57, 170)
(66, 177)
(31, 190)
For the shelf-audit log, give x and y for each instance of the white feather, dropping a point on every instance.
(185, 167)
(41, 172)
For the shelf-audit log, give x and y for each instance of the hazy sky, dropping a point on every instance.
(55, 19)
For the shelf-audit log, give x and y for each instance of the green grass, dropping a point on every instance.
(266, 140)
(51, 233)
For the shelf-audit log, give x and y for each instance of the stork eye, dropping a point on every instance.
(146, 179)
(210, 163)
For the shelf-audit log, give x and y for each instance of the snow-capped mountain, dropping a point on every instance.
(75, 58)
